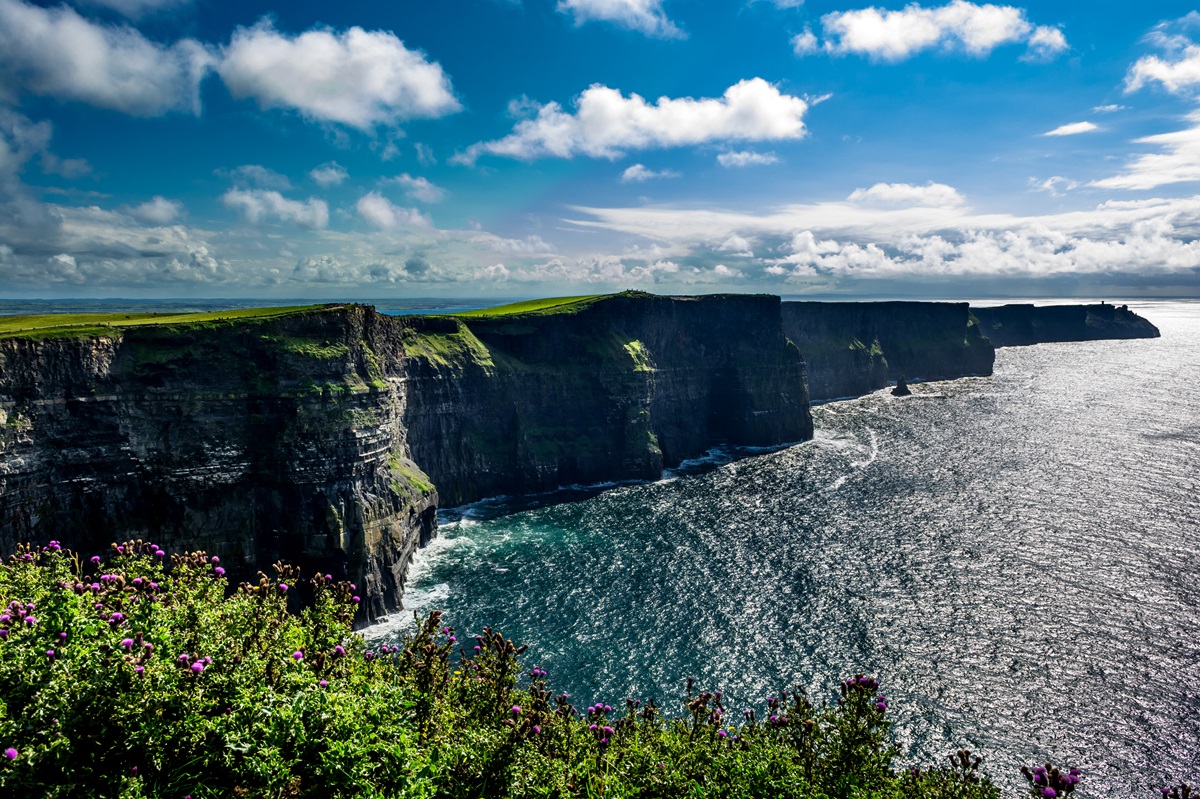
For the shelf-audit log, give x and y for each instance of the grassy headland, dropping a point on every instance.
(90, 324)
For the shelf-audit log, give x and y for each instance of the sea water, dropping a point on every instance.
(1016, 558)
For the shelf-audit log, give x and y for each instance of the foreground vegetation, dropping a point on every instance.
(136, 675)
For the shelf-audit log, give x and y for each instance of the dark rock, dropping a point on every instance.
(1022, 324)
(854, 348)
(901, 389)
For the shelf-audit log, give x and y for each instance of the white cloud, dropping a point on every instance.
(257, 176)
(418, 188)
(746, 158)
(357, 78)
(329, 174)
(1072, 129)
(55, 52)
(425, 156)
(1178, 163)
(1175, 75)
(1055, 186)
(380, 212)
(135, 9)
(158, 211)
(960, 25)
(1045, 44)
(840, 240)
(805, 43)
(261, 205)
(640, 174)
(931, 195)
(1109, 109)
(645, 16)
(607, 124)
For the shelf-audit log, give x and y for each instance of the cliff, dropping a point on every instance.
(610, 389)
(854, 348)
(318, 436)
(1018, 325)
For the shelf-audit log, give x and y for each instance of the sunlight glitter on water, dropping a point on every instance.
(1015, 557)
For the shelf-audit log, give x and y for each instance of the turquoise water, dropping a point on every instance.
(1016, 558)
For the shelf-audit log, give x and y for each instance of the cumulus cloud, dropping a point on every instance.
(358, 78)
(418, 189)
(256, 176)
(644, 16)
(262, 205)
(1072, 129)
(136, 9)
(57, 53)
(1179, 161)
(742, 158)
(805, 43)
(1175, 74)
(959, 26)
(638, 173)
(329, 174)
(931, 195)
(383, 214)
(607, 124)
(158, 211)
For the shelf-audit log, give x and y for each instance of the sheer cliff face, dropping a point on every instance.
(255, 440)
(309, 437)
(612, 391)
(1017, 325)
(854, 348)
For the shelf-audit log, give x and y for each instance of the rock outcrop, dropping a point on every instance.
(318, 437)
(1021, 324)
(854, 348)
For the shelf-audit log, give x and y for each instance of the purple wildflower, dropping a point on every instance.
(30, 620)
(127, 642)
(722, 734)
(11, 753)
(298, 655)
(339, 651)
(356, 600)
(1049, 792)
(323, 683)
(219, 571)
(215, 559)
(198, 666)
(96, 559)
(516, 710)
(537, 730)
(283, 588)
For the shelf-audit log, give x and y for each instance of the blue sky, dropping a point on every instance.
(502, 148)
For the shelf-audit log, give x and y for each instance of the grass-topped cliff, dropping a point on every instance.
(141, 673)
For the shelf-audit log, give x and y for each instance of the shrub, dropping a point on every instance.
(139, 675)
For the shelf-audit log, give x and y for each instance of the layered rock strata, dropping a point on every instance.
(854, 348)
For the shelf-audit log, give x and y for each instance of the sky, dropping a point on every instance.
(520, 148)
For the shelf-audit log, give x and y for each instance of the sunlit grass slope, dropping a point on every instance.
(70, 325)
(554, 304)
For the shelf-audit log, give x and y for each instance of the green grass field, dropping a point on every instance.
(555, 304)
(68, 325)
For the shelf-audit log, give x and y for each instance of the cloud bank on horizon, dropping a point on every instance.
(503, 148)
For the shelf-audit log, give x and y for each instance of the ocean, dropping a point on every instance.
(1016, 558)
